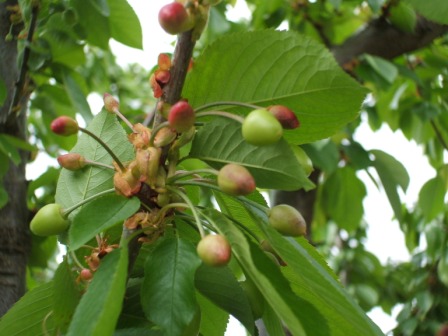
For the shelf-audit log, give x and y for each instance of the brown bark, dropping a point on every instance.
(14, 232)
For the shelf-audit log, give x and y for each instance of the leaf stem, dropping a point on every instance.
(99, 164)
(191, 206)
(67, 211)
(232, 103)
(192, 172)
(104, 145)
(214, 187)
(221, 114)
(125, 120)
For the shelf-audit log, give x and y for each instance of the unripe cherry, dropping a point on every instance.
(181, 116)
(174, 18)
(235, 180)
(64, 125)
(261, 128)
(287, 220)
(49, 221)
(285, 116)
(85, 274)
(214, 250)
(72, 161)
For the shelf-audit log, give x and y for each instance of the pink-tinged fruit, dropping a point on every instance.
(110, 103)
(214, 250)
(64, 126)
(85, 274)
(72, 161)
(181, 116)
(235, 180)
(285, 116)
(174, 18)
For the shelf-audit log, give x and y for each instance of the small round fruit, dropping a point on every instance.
(214, 250)
(287, 220)
(181, 116)
(261, 128)
(64, 125)
(255, 298)
(49, 221)
(72, 161)
(174, 18)
(235, 180)
(85, 274)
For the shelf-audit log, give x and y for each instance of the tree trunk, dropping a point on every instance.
(15, 242)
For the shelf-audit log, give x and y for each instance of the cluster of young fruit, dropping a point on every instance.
(153, 174)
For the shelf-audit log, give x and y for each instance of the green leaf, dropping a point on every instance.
(213, 319)
(77, 97)
(342, 196)
(66, 294)
(3, 91)
(99, 215)
(220, 286)
(101, 6)
(431, 198)
(313, 280)
(168, 293)
(64, 49)
(278, 67)
(100, 306)
(273, 167)
(382, 67)
(27, 316)
(230, 206)
(272, 323)
(267, 277)
(124, 24)
(436, 10)
(392, 174)
(9, 150)
(96, 25)
(75, 186)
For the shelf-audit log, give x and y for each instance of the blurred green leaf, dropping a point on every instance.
(103, 299)
(77, 97)
(168, 293)
(382, 67)
(66, 295)
(392, 174)
(342, 196)
(431, 198)
(124, 24)
(3, 92)
(436, 10)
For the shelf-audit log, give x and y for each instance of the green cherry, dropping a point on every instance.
(261, 128)
(49, 221)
